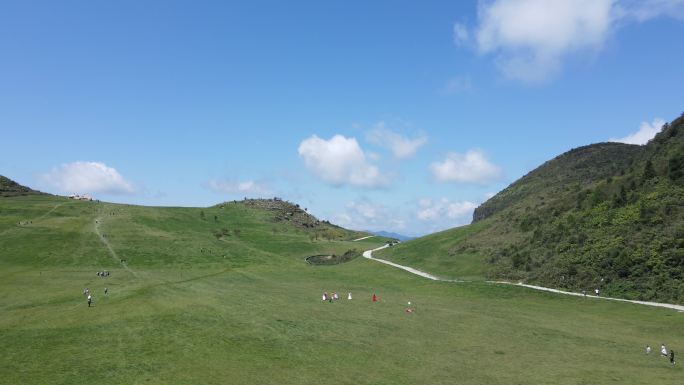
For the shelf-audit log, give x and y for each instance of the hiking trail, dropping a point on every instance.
(109, 247)
(369, 255)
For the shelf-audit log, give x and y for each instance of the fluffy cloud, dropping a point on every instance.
(249, 187)
(461, 34)
(340, 161)
(643, 10)
(366, 215)
(645, 133)
(531, 37)
(471, 167)
(364, 209)
(458, 85)
(401, 146)
(87, 177)
(430, 210)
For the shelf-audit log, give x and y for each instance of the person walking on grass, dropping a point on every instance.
(663, 350)
(375, 298)
(106, 291)
(672, 360)
(648, 349)
(90, 300)
(349, 296)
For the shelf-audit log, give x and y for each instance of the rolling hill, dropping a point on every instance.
(9, 188)
(608, 216)
(224, 295)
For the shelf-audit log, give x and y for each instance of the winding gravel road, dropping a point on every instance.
(369, 254)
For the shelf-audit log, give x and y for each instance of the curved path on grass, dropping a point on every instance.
(109, 247)
(34, 219)
(362, 238)
(50, 211)
(369, 254)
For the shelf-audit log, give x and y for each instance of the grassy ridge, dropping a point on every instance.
(10, 188)
(255, 317)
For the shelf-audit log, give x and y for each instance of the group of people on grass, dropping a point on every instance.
(663, 352)
(334, 296)
(103, 273)
(89, 297)
(375, 298)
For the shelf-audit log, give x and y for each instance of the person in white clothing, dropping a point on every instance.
(349, 295)
(663, 350)
(648, 349)
(90, 300)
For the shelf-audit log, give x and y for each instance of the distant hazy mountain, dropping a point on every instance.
(392, 235)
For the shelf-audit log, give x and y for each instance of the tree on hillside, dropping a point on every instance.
(649, 172)
(675, 167)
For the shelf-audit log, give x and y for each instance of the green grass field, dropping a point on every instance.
(245, 308)
(434, 253)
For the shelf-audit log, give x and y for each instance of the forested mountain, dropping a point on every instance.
(607, 215)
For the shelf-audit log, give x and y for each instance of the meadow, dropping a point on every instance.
(194, 304)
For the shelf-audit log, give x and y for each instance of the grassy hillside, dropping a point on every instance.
(9, 188)
(223, 295)
(607, 215)
(436, 253)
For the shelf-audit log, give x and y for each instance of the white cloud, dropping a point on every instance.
(645, 133)
(644, 10)
(439, 210)
(364, 209)
(340, 161)
(471, 167)
(458, 85)
(401, 146)
(364, 214)
(530, 38)
(461, 34)
(248, 187)
(87, 177)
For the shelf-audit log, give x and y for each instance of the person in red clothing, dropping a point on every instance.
(375, 298)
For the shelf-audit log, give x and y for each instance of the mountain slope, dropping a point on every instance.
(608, 216)
(10, 188)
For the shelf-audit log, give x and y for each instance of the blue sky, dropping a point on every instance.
(395, 115)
